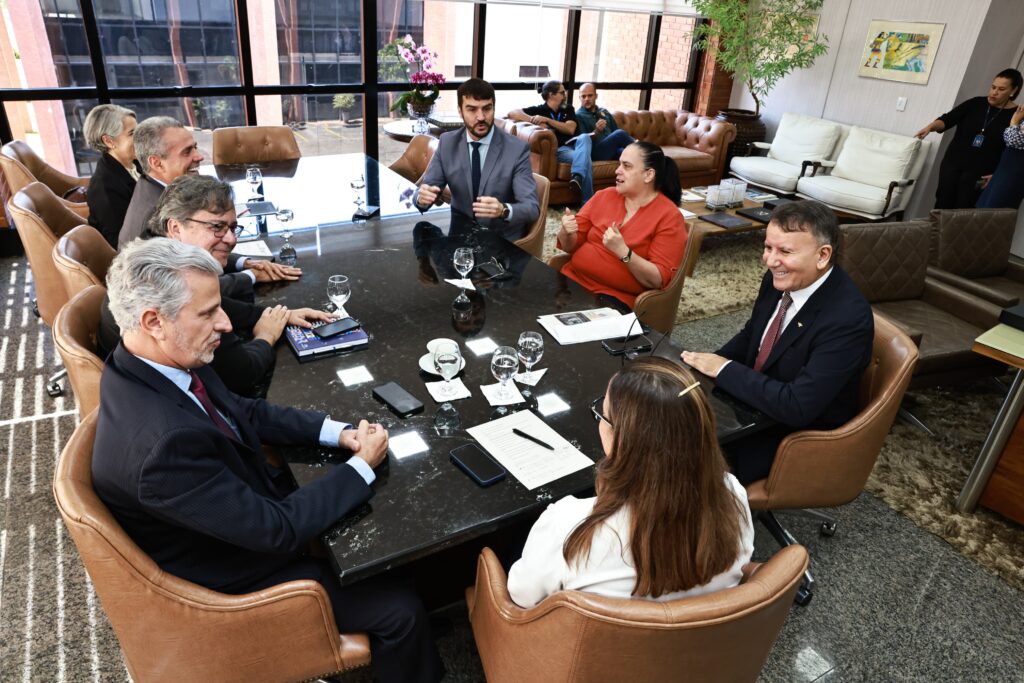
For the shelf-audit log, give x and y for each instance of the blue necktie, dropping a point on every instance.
(475, 172)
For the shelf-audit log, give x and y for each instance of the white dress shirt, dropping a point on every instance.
(799, 298)
(609, 570)
(330, 431)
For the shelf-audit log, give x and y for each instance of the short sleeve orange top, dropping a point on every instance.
(656, 232)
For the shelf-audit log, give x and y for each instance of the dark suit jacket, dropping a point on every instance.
(144, 198)
(812, 377)
(207, 508)
(244, 364)
(506, 175)
(110, 192)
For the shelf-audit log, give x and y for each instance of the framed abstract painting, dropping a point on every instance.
(900, 51)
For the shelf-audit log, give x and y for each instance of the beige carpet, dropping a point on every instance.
(916, 475)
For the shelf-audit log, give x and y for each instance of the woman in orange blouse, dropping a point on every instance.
(631, 237)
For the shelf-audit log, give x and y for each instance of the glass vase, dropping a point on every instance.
(419, 112)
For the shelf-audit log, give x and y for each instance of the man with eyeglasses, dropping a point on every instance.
(561, 120)
(200, 210)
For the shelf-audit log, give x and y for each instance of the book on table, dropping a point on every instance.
(307, 346)
(583, 326)
(757, 213)
(725, 220)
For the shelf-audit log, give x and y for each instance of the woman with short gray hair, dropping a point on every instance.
(111, 129)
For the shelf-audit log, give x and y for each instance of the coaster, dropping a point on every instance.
(490, 392)
(461, 391)
(523, 378)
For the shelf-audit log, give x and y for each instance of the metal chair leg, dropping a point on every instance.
(914, 421)
(53, 385)
(805, 593)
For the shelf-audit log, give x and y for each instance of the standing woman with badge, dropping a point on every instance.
(977, 143)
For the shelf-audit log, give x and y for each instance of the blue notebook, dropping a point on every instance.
(307, 346)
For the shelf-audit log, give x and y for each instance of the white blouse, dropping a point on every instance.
(609, 570)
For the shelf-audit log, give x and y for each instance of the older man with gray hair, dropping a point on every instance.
(165, 150)
(178, 459)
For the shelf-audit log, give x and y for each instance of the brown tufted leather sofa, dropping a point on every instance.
(254, 144)
(696, 143)
(572, 637)
(971, 251)
(174, 630)
(889, 262)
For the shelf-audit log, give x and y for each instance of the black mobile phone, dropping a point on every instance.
(620, 349)
(401, 402)
(336, 327)
(481, 467)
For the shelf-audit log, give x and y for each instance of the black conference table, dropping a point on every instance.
(396, 266)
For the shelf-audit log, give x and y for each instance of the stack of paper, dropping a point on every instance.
(530, 463)
(584, 326)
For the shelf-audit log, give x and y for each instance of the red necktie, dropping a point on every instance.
(197, 388)
(773, 333)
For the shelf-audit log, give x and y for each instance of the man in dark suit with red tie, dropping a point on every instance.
(800, 356)
(179, 460)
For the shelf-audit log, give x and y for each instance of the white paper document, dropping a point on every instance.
(464, 283)
(585, 326)
(692, 196)
(688, 215)
(255, 248)
(436, 389)
(530, 463)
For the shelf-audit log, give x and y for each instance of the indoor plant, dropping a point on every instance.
(759, 42)
(418, 62)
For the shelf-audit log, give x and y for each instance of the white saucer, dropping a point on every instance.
(427, 364)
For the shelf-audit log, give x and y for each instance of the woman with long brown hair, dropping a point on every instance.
(668, 520)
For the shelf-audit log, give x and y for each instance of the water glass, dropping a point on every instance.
(463, 261)
(338, 291)
(447, 362)
(287, 256)
(254, 176)
(504, 364)
(358, 184)
(531, 348)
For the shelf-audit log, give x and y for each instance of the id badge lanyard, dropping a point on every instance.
(979, 139)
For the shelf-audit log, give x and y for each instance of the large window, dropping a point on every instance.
(302, 64)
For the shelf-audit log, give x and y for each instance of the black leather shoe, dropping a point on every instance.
(576, 182)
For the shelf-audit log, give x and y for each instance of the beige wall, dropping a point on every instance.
(980, 38)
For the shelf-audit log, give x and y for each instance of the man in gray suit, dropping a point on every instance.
(166, 151)
(486, 170)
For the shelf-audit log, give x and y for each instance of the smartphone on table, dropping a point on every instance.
(337, 327)
(481, 467)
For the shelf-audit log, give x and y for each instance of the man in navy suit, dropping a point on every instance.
(179, 462)
(486, 170)
(803, 367)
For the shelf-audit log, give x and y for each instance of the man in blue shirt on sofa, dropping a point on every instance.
(608, 139)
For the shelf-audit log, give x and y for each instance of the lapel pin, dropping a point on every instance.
(799, 324)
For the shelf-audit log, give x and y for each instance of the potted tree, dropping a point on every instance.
(759, 42)
(344, 103)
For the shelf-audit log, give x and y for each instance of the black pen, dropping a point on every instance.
(519, 432)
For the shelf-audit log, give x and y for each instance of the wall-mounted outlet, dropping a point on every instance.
(901, 103)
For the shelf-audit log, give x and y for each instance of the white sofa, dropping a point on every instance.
(799, 139)
(855, 170)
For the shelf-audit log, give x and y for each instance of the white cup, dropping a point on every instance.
(432, 344)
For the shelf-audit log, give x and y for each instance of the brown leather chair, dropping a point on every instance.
(814, 469)
(414, 161)
(74, 335)
(82, 257)
(174, 630)
(41, 219)
(657, 307)
(533, 241)
(254, 144)
(573, 636)
(971, 251)
(888, 261)
(21, 166)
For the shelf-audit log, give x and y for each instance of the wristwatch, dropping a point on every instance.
(506, 211)
(629, 255)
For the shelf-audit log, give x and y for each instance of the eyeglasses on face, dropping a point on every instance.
(595, 408)
(219, 228)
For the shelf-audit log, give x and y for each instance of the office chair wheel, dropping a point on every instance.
(35, 308)
(54, 389)
(803, 596)
(827, 529)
